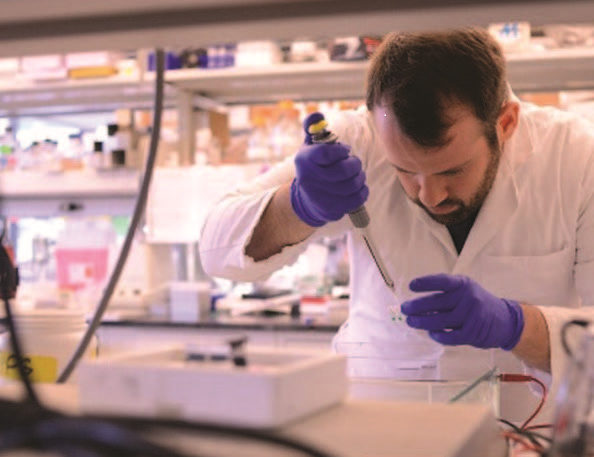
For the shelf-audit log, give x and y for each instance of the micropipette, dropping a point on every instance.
(359, 217)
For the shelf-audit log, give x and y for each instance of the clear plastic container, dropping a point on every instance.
(483, 389)
(389, 360)
(259, 148)
(419, 370)
(83, 253)
(49, 338)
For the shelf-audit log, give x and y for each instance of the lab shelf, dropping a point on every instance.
(39, 26)
(294, 81)
(21, 97)
(42, 194)
(563, 69)
(32, 27)
(554, 70)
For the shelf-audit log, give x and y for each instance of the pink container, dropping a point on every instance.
(81, 267)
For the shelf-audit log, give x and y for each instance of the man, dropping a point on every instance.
(482, 204)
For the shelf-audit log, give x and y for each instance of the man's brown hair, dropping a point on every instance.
(418, 75)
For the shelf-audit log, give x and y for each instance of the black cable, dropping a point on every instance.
(134, 223)
(565, 328)
(109, 436)
(74, 436)
(18, 354)
(519, 431)
(105, 437)
(146, 425)
(71, 450)
(540, 436)
(8, 280)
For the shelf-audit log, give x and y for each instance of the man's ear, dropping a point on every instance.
(508, 120)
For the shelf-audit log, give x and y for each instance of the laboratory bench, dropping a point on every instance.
(279, 330)
(458, 365)
(265, 321)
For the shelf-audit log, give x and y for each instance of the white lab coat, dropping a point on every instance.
(533, 239)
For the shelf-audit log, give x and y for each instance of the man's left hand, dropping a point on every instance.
(462, 312)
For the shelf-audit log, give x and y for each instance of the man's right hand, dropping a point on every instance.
(329, 183)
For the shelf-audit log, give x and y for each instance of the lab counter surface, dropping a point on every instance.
(277, 331)
(431, 384)
(280, 330)
(455, 369)
(353, 428)
(273, 322)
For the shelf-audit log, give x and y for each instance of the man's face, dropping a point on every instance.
(451, 182)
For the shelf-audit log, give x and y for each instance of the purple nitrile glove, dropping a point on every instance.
(328, 184)
(462, 312)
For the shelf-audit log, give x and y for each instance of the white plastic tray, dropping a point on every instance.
(273, 389)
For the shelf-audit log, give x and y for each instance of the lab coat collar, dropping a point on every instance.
(500, 204)
(521, 144)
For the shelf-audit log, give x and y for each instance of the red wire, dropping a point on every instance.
(539, 426)
(512, 377)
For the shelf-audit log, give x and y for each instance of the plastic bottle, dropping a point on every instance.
(49, 338)
(229, 57)
(119, 145)
(259, 147)
(287, 134)
(48, 157)
(9, 150)
(75, 148)
(7, 244)
(97, 159)
(72, 154)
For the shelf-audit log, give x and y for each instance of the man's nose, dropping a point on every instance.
(431, 191)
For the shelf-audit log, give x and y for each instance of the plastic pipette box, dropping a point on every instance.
(274, 388)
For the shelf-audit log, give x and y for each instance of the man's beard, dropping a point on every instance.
(465, 211)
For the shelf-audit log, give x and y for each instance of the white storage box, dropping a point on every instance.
(274, 388)
(91, 59)
(257, 54)
(32, 64)
(9, 66)
(189, 301)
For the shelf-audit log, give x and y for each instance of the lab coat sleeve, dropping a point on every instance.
(557, 316)
(230, 223)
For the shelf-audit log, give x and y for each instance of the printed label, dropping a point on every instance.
(39, 368)
(81, 273)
